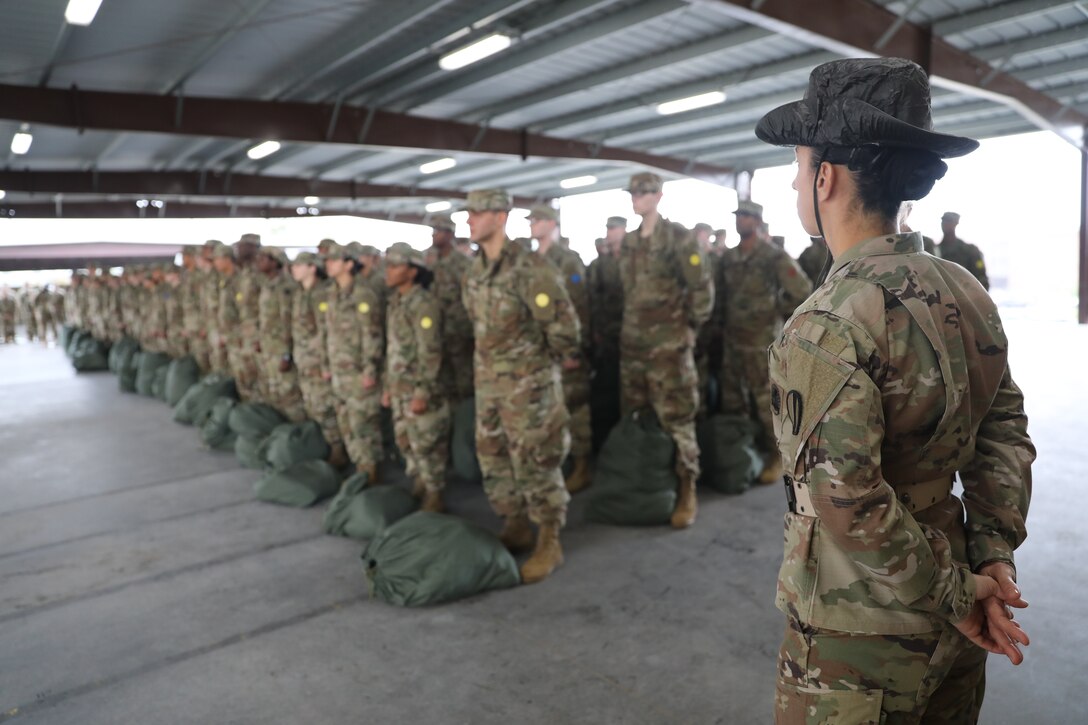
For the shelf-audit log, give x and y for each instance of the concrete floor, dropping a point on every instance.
(141, 583)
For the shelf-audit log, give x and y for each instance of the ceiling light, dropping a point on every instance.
(437, 206)
(691, 103)
(266, 148)
(141, 203)
(311, 200)
(433, 167)
(473, 52)
(3, 193)
(300, 210)
(157, 203)
(313, 211)
(20, 142)
(459, 217)
(81, 12)
(575, 181)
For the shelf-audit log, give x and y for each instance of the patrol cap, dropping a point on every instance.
(488, 200)
(950, 216)
(223, 251)
(276, 253)
(702, 227)
(337, 251)
(213, 243)
(543, 211)
(749, 208)
(250, 239)
(645, 183)
(443, 221)
(616, 221)
(306, 258)
(366, 250)
(324, 244)
(403, 253)
(190, 250)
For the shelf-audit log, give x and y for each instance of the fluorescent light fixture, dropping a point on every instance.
(311, 200)
(157, 203)
(433, 167)
(313, 211)
(486, 46)
(266, 148)
(300, 210)
(437, 206)
(20, 142)
(459, 217)
(690, 103)
(575, 181)
(3, 193)
(141, 203)
(81, 12)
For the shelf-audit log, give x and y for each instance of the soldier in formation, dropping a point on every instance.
(959, 252)
(8, 313)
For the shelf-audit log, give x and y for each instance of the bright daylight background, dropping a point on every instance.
(1018, 197)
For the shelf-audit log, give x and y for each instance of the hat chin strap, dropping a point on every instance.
(819, 224)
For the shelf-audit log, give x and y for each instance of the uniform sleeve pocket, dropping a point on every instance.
(801, 706)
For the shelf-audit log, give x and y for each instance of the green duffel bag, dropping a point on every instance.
(301, 485)
(292, 443)
(635, 481)
(181, 374)
(255, 420)
(196, 405)
(361, 513)
(118, 352)
(66, 336)
(463, 442)
(216, 432)
(128, 370)
(158, 385)
(428, 558)
(73, 343)
(145, 374)
(90, 355)
(250, 452)
(727, 453)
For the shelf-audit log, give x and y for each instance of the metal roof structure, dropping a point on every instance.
(163, 99)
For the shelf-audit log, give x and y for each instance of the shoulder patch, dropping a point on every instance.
(237, 296)
(426, 322)
(364, 307)
(542, 299)
(323, 306)
(576, 278)
(980, 264)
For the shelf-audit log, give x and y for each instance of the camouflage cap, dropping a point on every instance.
(543, 211)
(702, 227)
(324, 244)
(223, 251)
(276, 253)
(950, 216)
(337, 251)
(488, 200)
(213, 243)
(750, 208)
(306, 258)
(250, 239)
(616, 221)
(190, 250)
(403, 253)
(645, 183)
(443, 221)
(367, 250)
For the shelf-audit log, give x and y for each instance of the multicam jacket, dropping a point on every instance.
(895, 372)
(668, 291)
(967, 256)
(757, 291)
(275, 313)
(573, 272)
(413, 354)
(354, 335)
(309, 313)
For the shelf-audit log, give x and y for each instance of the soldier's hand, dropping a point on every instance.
(571, 363)
(419, 406)
(385, 399)
(369, 382)
(990, 624)
(285, 365)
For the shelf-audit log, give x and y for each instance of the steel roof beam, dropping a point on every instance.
(1003, 13)
(951, 66)
(1076, 35)
(306, 123)
(171, 210)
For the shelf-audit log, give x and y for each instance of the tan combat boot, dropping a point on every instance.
(772, 469)
(372, 475)
(517, 534)
(432, 501)
(338, 457)
(547, 556)
(418, 489)
(579, 477)
(683, 515)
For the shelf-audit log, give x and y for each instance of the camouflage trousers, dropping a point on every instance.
(245, 370)
(320, 404)
(666, 381)
(423, 439)
(358, 414)
(219, 356)
(31, 328)
(936, 678)
(281, 390)
(457, 373)
(201, 352)
(7, 328)
(46, 325)
(521, 442)
(576, 397)
(746, 390)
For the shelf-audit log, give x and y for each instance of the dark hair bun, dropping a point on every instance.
(905, 174)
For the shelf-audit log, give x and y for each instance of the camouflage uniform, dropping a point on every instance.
(524, 325)
(245, 360)
(210, 288)
(760, 288)
(875, 388)
(43, 311)
(309, 319)
(8, 312)
(356, 346)
(26, 312)
(457, 342)
(413, 361)
(281, 389)
(813, 259)
(176, 344)
(667, 293)
(967, 256)
(230, 338)
(154, 314)
(193, 320)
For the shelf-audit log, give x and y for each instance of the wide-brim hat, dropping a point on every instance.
(861, 101)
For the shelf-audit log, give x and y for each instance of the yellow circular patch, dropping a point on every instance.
(695, 260)
(324, 307)
(364, 307)
(237, 296)
(222, 283)
(979, 264)
(542, 300)
(426, 323)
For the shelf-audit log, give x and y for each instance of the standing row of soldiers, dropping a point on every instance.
(41, 313)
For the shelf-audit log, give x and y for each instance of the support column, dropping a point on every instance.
(1082, 298)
